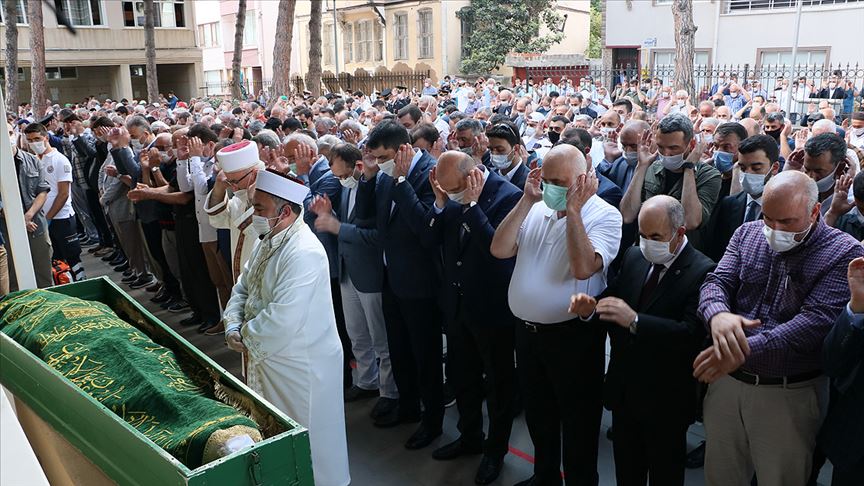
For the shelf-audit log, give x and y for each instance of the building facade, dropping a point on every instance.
(105, 57)
(734, 32)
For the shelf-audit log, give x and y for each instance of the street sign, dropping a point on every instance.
(650, 42)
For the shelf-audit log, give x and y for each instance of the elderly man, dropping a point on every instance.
(621, 170)
(470, 138)
(280, 315)
(563, 237)
(470, 203)
(237, 166)
(824, 160)
(768, 306)
(650, 311)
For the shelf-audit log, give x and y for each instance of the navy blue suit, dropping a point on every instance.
(520, 176)
(324, 184)
(480, 326)
(360, 254)
(842, 434)
(608, 191)
(619, 172)
(410, 285)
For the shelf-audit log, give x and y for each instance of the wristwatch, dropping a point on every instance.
(688, 165)
(154, 169)
(634, 325)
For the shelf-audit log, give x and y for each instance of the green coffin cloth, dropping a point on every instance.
(122, 368)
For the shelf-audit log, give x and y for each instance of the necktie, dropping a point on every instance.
(752, 211)
(650, 285)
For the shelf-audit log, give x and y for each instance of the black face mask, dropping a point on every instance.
(553, 136)
(775, 134)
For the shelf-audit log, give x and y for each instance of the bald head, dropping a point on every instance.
(789, 202)
(662, 210)
(751, 125)
(631, 133)
(824, 126)
(562, 165)
(452, 169)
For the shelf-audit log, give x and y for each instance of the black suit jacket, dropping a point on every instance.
(651, 372)
(728, 216)
(842, 434)
(839, 93)
(520, 176)
(469, 267)
(411, 269)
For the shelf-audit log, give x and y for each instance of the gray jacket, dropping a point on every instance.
(31, 182)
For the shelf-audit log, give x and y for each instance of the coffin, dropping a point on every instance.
(125, 455)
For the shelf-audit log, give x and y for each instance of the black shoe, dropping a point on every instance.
(160, 297)
(456, 449)
(395, 417)
(153, 288)
(87, 242)
(117, 261)
(110, 256)
(532, 481)
(142, 281)
(383, 407)
(127, 272)
(422, 438)
(696, 457)
(356, 393)
(449, 395)
(122, 267)
(179, 306)
(192, 320)
(129, 278)
(205, 325)
(168, 303)
(95, 249)
(489, 470)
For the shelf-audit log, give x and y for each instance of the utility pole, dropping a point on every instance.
(792, 74)
(335, 41)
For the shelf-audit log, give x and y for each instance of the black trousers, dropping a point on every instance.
(561, 375)
(197, 286)
(648, 450)
(846, 475)
(64, 238)
(153, 238)
(99, 220)
(414, 338)
(475, 349)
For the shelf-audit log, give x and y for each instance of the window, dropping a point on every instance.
(213, 82)
(61, 73)
(21, 76)
(167, 13)
(424, 34)
(81, 13)
(379, 41)
(250, 29)
(327, 44)
(209, 34)
(400, 30)
(348, 42)
(22, 13)
(363, 31)
(807, 57)
(743, 6)
(664, 63)
(136, 71)
(466, 24)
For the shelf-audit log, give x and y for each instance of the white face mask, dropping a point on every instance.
(858, 132)
(348, 182)
(752, 184)
(388, 167)
(136, 145)
(530, 131)
(261, 225)
(681, 103)
(605, 131)
(458, 198)
(824, 184)
(672, 162)
(708, 137)
(38, 148)
(500, 161)
(781, 241)
(656, 252)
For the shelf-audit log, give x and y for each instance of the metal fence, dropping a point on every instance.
(344, 82)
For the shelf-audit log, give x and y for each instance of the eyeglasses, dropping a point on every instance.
(508, 127)
(238, 181)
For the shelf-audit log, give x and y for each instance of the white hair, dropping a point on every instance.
(710, 121)
(327, 142)
(824, 126)
(304, 139)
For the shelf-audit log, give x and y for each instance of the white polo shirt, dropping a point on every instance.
(542, 284)
(57, 169)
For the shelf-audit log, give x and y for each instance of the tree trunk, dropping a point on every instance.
(239, 26)
(10, 13)
(682, 14)
(313, 77)
(150, 51)
(39, 92)
(282, 50)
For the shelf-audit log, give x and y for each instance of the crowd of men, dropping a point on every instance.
(715, 243)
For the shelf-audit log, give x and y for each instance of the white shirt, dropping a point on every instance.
(57, 169)
(509, 174)
(542, 284)
(193, 175)
(855, 140)
(443, 129)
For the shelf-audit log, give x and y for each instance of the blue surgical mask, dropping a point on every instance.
(555, 197)
(723, 161)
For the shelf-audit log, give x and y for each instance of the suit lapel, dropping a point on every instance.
(672, 275)
(487, 197)
(343, 213)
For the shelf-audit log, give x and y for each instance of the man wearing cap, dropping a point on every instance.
(239, 163)
(281, 315)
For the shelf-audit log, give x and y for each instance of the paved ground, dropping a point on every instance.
(377, 456)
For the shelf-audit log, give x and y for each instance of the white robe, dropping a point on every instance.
(235, 213)
(282, 300)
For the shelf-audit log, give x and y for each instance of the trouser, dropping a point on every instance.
(561, 375)
(64, 240)
(364, 321)
(848, 475)
(40, 255)
(767, 429)
(219, 271)
(153, 238)
(4, 272)
(132, 242)
(199, 289)
(475, 349)
(648, 450)
(99, 218)
(347, 355)
(82, 210)
(169, 246)
(414, 339)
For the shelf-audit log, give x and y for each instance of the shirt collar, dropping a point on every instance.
(417, 155)
(758, 200)
(677, 253)
(509, 175)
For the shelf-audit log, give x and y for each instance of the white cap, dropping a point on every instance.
(281, 186)
(239, 156)
(537, 117)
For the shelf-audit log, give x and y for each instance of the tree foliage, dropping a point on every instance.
(512, 26)
(595, 41)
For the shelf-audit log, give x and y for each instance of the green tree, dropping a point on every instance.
(595, 41)
(502, 27)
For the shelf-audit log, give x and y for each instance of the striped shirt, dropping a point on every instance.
(796, 295)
